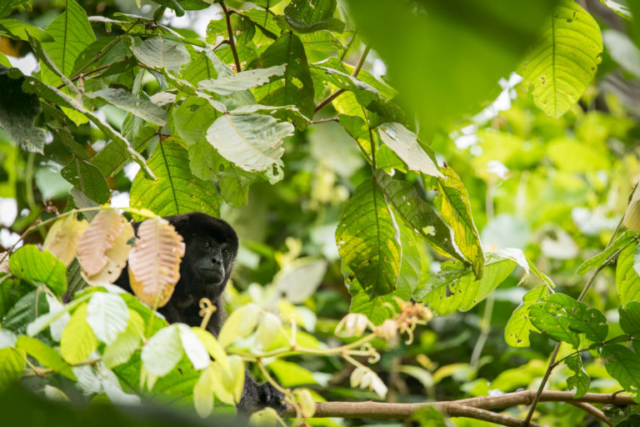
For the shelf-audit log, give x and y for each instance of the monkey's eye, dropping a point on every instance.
(226, 253)
(207, 244)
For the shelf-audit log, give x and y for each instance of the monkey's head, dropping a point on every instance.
(211, 248)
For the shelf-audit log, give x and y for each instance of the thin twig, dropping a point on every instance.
(232, 43)
(95, 70)
(331, 119)
(339, 92)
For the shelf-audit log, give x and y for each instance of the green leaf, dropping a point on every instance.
(72, 33)
(627, 279)
(241, 81)
(108, 315)
(311, 11)
(365, 94)
(321, 41)
(458, 36)
(161, 52)
(519, 326)
(45, 355)
(21, 30)
(459, 290)
(163, 351)
(580, 380)
(297, 87)
(78, 340)
(29, 263)
(291, 374)
(623, 240)
(193, 347)
(563, 318)
(176, 190)
(121, 350)
(18, 111)
(630, 318)
(418, 214)
(13, 362)
(250, 141)
(405, 144)
(125, 100)
(563, 62)
(88, 179)
(192, 118)
(25, 311)
(368, 239)
(624, 366)
(10, 293)
(452, 203)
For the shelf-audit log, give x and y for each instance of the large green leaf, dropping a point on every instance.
(418, 214)
(519, 326)
(627, 279)
(250, 141)
(140, 107)
(72, 33)
(297, 86)
(161, 52)
(87, 178)
(13, 362)
(192, 118)
(29, 263)
(22, 30)
(630, 318)
(624, 366)
(45, 355)
(241, 81)
(452, 203)
(405, 144)
(18, 110)
(368, 239)
(431, 47)
(624, 240)
(78, 340)
(176, 190)
(563, 318)
(459, 290)
(563, 62)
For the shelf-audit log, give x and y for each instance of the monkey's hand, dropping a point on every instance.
(256, 397)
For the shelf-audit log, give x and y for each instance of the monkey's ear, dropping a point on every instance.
(179, 222)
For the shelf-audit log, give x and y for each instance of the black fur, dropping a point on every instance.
(199, 278)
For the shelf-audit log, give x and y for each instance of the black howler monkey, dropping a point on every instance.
(211, 248)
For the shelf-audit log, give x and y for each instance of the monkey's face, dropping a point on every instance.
(211, 260)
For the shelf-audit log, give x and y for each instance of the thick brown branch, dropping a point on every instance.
(465, 407)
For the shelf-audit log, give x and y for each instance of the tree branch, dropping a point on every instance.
(232, 42)
(339, 92)
(476, 407)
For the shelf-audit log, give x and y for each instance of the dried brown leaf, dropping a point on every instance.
(62, 240)
(97, 239)
(154, 263)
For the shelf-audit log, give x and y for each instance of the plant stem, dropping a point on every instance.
(339, 92)
(232, 42)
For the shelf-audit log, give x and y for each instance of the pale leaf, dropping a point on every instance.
(97, 239)
(62, 240)
(154, 264)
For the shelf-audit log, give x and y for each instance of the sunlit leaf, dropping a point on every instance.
(45, 355)
(627, 279)
(125, 100)
(405, 144)
(78, 340)
(62, 239)
(13, 362)
(163, 351)
(176, 190)
(623, 240)
(452, 203)
(154, 263)
(108, 315)
(30, 263)
(368, 239)
(241, 81)
(519, 326)
(563, 62)
(160, 52)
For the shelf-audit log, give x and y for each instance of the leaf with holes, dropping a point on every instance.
(519, 326)
(368, 239)
(154, 264)
(563, 62)
(251, 141)
(176, 190)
